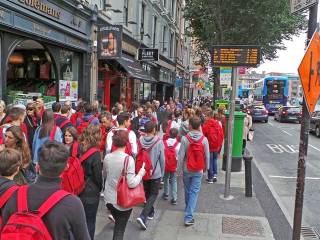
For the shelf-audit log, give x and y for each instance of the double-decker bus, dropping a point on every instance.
(274, 92)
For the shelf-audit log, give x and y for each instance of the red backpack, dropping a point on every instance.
(65, 122)
(143, 157)
(53, 133)
(84, 124)
(72, 178)
(195, 155)
(170, 156)
(5, 197)
(128, 149)
(215, 135)
(29, 225)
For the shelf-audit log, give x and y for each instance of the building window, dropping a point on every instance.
(164, 49)
(125, 12)
(171, 45)
(172, 8)
(154, 31)
(143, 9)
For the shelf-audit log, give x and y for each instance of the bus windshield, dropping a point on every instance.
(275, 90)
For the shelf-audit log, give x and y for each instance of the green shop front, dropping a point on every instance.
(44, 50)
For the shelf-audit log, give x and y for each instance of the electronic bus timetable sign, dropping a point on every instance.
(236, 56)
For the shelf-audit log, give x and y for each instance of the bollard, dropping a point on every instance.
(247, 157)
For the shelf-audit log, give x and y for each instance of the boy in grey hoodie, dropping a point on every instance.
(192, 179)
(151, 186)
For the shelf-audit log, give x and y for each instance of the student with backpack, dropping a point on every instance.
(113, 166)
(87, 119)
(194, 157)
(29, 211)
(89, 142)
(46, 131)
(212, 129)
(124, 124)
(151, 153)
(171, 150)
(10, 161)
(62, 120)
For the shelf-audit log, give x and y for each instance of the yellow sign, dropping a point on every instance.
(309, 71)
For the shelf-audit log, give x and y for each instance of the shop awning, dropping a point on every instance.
(134, 68)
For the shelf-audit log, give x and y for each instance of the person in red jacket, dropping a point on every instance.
(78, 114)
(212, 129)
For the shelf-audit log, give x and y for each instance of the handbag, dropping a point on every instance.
(128, 197)
(250, 134)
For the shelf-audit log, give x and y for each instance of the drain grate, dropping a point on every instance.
(242, 226)
(310, 233)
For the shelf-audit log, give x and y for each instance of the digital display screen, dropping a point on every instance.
(246, 56)
(275, 90)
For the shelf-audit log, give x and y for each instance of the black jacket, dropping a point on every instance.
(66, 218)
(93, 175)
(31, 127)
(135, 125)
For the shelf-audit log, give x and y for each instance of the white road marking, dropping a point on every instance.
(287, 177)
(314, 147)
(287, 132)
(271, 124)
(278, 148)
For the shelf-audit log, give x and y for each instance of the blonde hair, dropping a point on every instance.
(3, 104)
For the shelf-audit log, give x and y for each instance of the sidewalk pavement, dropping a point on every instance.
(215, 218)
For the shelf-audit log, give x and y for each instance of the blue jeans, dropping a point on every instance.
(170, 181)
(192, 185)
(213, 169)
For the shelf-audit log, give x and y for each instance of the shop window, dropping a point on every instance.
(31, 72)
(69, 75)
(147, 91)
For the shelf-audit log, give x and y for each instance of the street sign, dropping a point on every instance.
(235, 56)
(300, 5)
(148, 54)
(309, 71)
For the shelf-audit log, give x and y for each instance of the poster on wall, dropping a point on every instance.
(68, 90)
(109, 42)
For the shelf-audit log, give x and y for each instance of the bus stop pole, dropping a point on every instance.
(230, 132)
(303, 146)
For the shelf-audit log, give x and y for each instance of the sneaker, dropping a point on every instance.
(151, 215)
(142, 223)
(214, 179)
(210, 181)
(189, 223)
(165, 196)
(111, 218)
(102, 194)
(173, 202)
(161, 184)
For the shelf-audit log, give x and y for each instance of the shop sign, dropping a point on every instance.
(225, 76)
(42, 7)
(109, 42)
(178, 82)
(68, 90)
(56, 13)
(148, 54)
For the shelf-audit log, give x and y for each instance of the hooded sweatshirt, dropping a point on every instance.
(182, 157)
(156, 154)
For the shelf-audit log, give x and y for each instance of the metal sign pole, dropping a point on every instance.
(230, 132)
(303, 146)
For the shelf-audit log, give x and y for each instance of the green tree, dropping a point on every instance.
(242, 22)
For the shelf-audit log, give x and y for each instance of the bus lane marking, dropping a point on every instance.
(287, 133)
(314, 147)
(287, 177)
(279, 148)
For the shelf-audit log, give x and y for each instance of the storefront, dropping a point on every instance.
(44, 50)
(124, 80)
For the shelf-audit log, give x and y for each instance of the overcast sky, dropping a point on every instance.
(288, 60)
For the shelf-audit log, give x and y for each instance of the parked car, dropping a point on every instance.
(288, 114)
(315, 123)
(258, 113)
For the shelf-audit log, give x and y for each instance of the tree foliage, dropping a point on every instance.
(241, 22)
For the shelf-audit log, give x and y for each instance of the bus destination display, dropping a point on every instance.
(234, 56)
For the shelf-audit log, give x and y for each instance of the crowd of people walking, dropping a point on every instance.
(57, 163)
